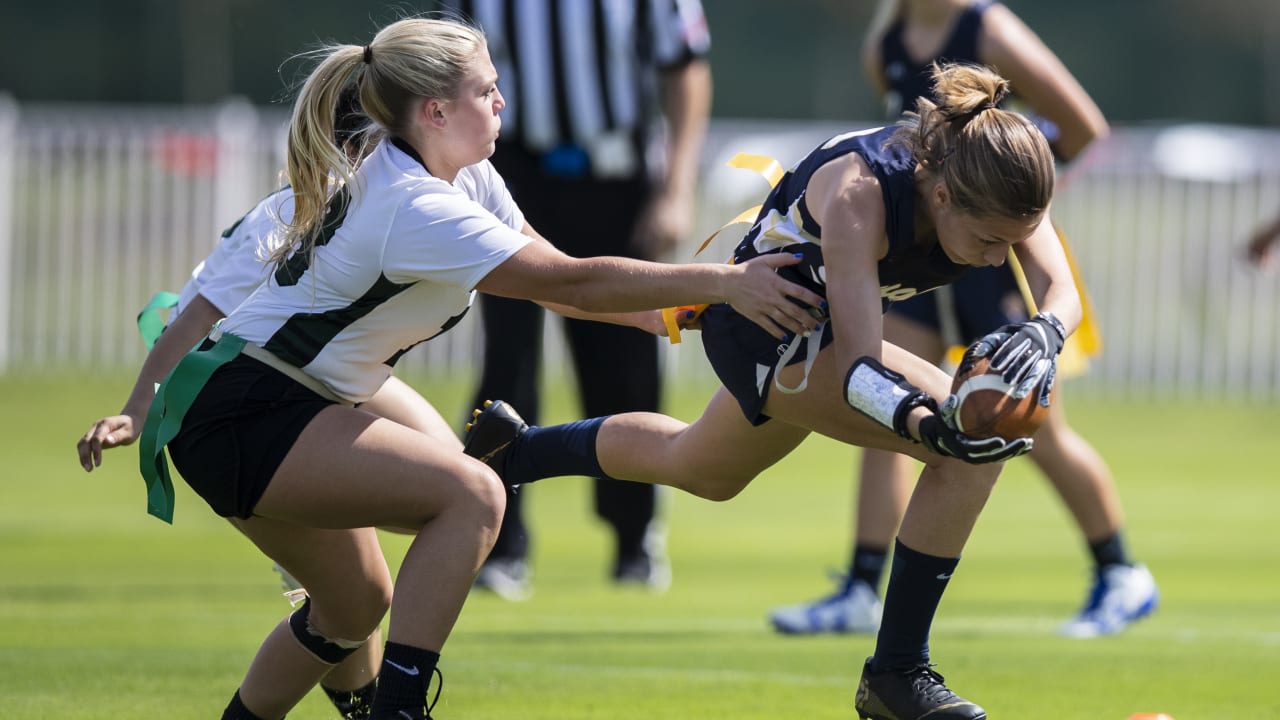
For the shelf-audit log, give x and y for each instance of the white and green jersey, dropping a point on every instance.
(393, 267)
(237, 266)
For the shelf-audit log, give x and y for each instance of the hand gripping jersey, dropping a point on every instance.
(393, 267)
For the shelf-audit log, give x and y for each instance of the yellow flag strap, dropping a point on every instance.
(1084, 343)
(772, 172)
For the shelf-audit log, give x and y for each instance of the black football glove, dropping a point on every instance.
(937, 434)
(1025, 354)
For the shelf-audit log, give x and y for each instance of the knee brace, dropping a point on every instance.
(327, 650)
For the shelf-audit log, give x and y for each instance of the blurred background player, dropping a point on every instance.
(584, 83)
(905, 38)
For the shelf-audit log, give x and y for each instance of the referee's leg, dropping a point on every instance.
(617, 369)
(511, 366)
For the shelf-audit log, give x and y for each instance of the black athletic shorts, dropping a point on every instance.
(238, 431)
(744, 357)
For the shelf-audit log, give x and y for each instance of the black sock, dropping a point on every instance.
(553, 451)
(237, 711)
(916, 584)
(867, 564)
(1110, 551)
(353, 704)
(402, 683)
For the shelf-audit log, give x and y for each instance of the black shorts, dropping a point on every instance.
(985, 298)
(745, 357)
(238, 431)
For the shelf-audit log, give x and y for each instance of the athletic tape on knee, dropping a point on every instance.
(328, 650)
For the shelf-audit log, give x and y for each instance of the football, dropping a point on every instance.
(986, 406)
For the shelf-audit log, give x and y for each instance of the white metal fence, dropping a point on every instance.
(101, 206)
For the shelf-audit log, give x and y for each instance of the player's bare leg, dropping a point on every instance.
(1079, 474)
(1123, 591)
(885, 480)
(384, 475)
(720, 453)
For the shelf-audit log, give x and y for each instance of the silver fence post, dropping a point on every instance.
(236, 185)
(8, 156)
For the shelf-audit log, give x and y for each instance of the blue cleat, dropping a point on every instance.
(1121, 594)
(852, 608)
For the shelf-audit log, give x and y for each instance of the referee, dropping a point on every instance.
(586, 153)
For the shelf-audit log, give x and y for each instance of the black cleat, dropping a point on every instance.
(490, 433)
(916, 693)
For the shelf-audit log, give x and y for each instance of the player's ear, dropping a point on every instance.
(433, 112)
(941, 194)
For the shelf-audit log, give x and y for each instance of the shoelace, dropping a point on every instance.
(428, 706)
(929, 683)
(439, 686)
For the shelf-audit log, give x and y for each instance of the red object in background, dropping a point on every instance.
(187, 154)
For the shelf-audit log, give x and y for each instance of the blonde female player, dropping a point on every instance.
(908, 37)
(378, 257)
(878, 215)
(218, 284)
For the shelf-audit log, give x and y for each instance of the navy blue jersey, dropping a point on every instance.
(909, 80)
(745, 357)
(912, 265)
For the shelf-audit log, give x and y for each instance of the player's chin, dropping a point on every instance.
(959, 259)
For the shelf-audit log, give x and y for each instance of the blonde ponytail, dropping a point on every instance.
(407, 60)
(315, 165)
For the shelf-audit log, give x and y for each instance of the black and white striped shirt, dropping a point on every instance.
(584, 72)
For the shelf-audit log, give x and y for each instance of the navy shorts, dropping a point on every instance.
(985, 298)
(238, 431)
(744, 356)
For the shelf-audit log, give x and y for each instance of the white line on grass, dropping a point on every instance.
(980, 624)
(706, 675)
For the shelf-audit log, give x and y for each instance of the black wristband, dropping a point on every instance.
(1052, 321)
(919, 399)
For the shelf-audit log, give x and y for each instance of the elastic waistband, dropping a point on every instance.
(293, 372)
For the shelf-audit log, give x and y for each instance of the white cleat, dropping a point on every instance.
(509, 579)
(853, 608)
(1121, 595)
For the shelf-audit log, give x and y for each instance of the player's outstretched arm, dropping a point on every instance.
(123, 429)
(649, 321)
(539, 272)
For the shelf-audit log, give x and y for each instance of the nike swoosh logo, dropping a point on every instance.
(407, 671)
(943, 576)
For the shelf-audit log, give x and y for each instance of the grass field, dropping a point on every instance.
(106, 612)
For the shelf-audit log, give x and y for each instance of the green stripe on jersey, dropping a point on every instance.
(292, 270)
(304, 335)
